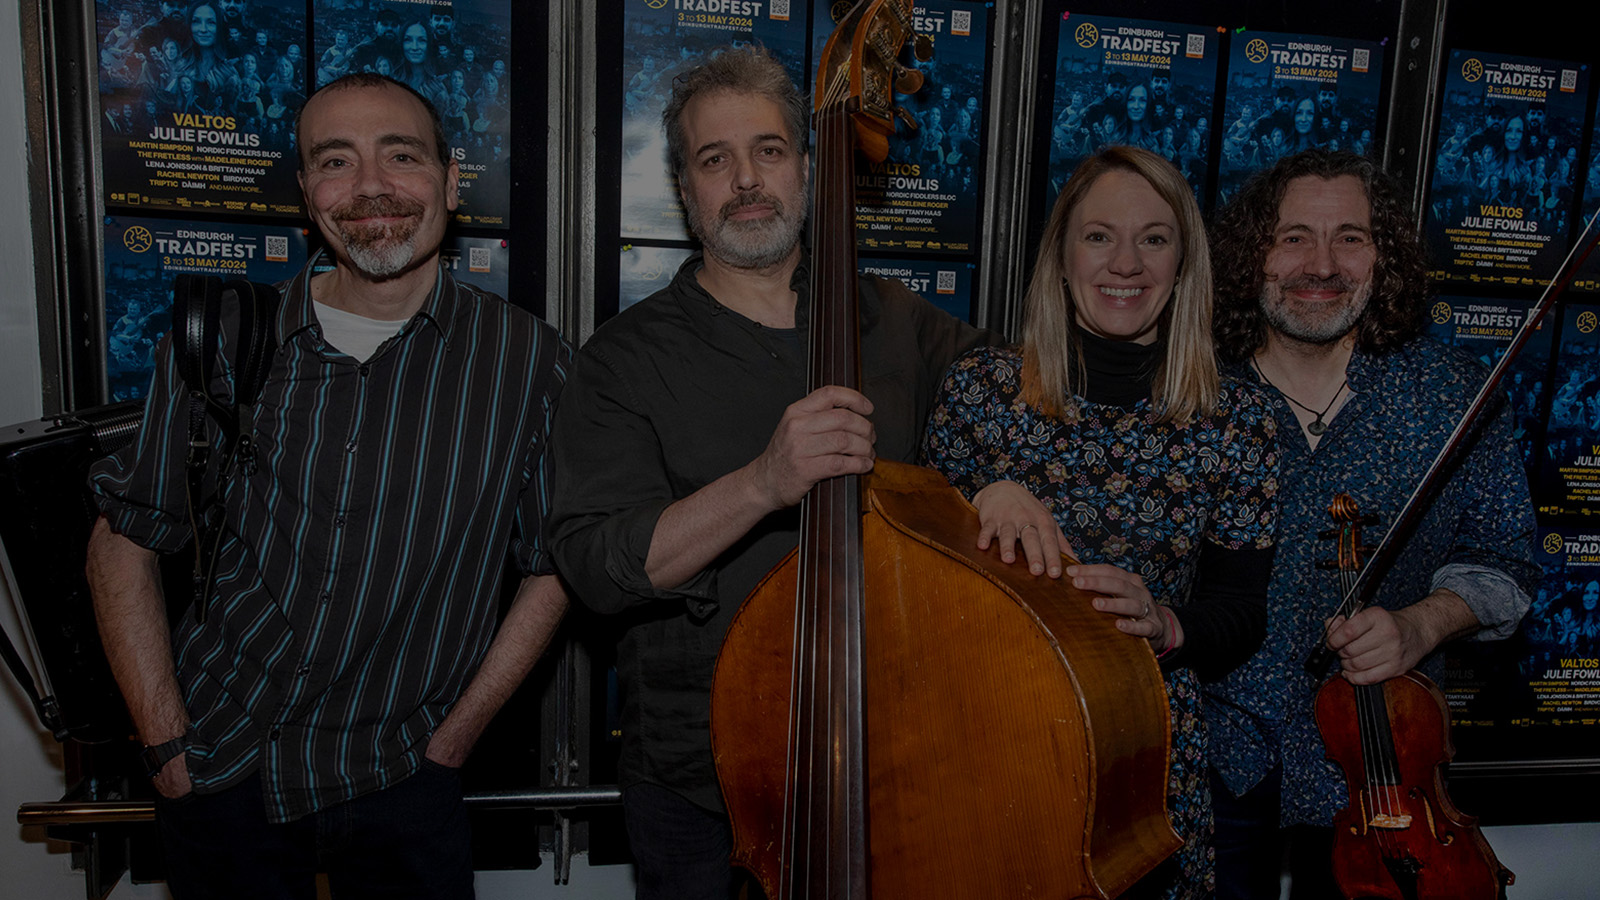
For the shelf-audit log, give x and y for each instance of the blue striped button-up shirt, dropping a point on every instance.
(358, 574)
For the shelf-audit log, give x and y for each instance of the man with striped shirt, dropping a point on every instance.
(348, 659)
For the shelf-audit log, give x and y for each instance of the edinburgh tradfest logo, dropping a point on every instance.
(1087, 35)
(137, 239)
(1257, 51)
(1587, 321)
(1472, 69)
(1441, 312)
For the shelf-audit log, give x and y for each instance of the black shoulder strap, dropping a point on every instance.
(196, 323)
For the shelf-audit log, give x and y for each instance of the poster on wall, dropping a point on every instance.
(197, 104)
(144, 255)
(1588, 276)
(947, 285)
(1505, 180)
(646, 270)
(1293, 92)
(1128, 81)
(1484, 327)
(481, 262)
(1547, 676)
(458, 55)
(661, 40)
(1569, 474)
(924, 198)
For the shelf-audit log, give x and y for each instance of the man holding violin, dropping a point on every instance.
(1321, 295)
(686, 439)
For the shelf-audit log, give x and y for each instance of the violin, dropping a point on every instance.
(1400, 837)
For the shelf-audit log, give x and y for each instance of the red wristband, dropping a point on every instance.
(1172, 622)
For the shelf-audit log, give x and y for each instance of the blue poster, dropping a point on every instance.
(457, 54)
(645, 270)
(1544, 676)
(197, 104)
(481, 262)
(1484, 327)
(1127, 81)
(1504, 179)
(1293, 92)
(143, 256)
(947, 285)
(1588, 275)
(925, 197)
(1569, 474)
(662, 39)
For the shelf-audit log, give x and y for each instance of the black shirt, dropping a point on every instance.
(669, 396)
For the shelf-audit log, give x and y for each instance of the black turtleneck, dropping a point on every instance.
(1119, 372)
(1226, 625)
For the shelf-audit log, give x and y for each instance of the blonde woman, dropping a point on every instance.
(1156, 473)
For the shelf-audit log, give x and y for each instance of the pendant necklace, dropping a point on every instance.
(1317, 426)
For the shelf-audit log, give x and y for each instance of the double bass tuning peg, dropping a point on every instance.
(922, 47)
(906, 80)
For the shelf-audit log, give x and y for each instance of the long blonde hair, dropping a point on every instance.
(1053, 372)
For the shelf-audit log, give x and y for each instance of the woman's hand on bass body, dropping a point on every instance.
(1127, 597)
(1009, 515)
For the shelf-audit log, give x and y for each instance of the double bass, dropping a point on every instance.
(894, 712)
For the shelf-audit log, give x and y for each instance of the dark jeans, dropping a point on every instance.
(408, 841)
(1250, 847)
(681, 850)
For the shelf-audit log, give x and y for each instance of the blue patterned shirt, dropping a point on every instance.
(359, 570)
(1476, 540)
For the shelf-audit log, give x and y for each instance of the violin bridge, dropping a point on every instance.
(1390, 822)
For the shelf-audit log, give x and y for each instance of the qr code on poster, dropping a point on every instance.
(1195, 47)
(961, 21)
(779, 10)
(478, 259)
(1569, 80)
(946, 283)
(1360, 59)
(277, 248)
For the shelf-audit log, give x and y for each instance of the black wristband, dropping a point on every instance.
(155, 758)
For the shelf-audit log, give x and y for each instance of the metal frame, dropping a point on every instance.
(59, 72)
(1005, 242)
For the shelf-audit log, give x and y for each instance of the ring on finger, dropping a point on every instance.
(1146, 613)
(1026, 527)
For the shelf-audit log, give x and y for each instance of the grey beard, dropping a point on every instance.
(1309, 330)
(747, 245)
(381, 258)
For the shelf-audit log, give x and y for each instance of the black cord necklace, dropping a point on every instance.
(1317, 426)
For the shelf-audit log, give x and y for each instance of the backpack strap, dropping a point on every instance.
(196, 325)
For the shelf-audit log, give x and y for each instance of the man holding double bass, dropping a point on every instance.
(1321, 295)
(686, 439)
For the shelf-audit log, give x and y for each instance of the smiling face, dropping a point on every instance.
(373, 181)
(203, 25)
(1121, 257)
(744, 179)
(1318, 272)
(1305, 113)
(414, 43)
(1138, 102)
(1513, 135)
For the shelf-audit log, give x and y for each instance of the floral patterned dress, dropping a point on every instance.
(1135, 492)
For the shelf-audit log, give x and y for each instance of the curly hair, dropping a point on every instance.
(1244, 232)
